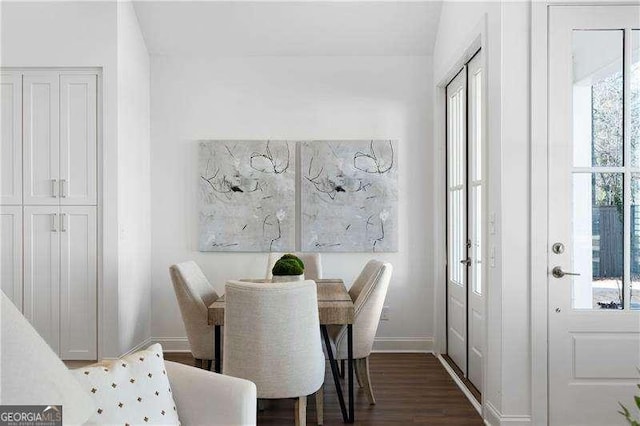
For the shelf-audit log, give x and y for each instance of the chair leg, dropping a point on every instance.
(301, 411)
(320, 405)
(209, 363)
(198, 363)
(358, 366)
(367, 380)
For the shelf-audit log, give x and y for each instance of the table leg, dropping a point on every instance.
(217, 348)
(350, 361)
(334, 372)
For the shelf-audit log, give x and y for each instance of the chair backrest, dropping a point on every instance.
(194, 294)
(272, 337)
(367, 274)
(312, 264)
(371, 293)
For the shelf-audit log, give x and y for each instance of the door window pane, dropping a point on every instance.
(597, 98)
(635, 241)
(477, 238)
(598, 240)
(634, 108)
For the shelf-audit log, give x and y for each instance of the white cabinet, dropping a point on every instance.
(11, 138)
(42, 272)
(11, 252)
(41, 138)
(78, 271)
(60, 138)
(48, 204)
(60, 277)
(78, 139)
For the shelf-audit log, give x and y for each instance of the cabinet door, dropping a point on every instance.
(11, 138)
(78, 139)
(78, 283)
(41, 155)
(11, 253)
(42, 272)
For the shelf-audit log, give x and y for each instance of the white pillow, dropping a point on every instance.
(133, 390)
(32, 374)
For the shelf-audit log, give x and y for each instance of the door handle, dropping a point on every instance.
(63, 184)
(63, 227)
(466, 262)
(54, 188)
(54, 218)
(559, 273)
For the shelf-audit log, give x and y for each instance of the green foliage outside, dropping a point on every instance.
(627, 413)
(288, 265)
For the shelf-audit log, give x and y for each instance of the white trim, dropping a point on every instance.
(380, 344)
(172, 344)
(140, 346)
(493, 417)
(461, 385)
(538, 226)
(403, 344)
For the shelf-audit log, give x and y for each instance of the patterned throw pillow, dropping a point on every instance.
(133, 390)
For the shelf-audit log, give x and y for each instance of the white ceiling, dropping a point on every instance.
(293, 28)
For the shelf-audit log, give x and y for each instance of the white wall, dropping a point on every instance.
(75, 34)
(504, 29)
(134, 186)
(291, 98)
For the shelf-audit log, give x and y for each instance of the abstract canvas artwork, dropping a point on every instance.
(349, 200)
(247, 196)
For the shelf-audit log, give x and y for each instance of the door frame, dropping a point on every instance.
(539, 224)
(475, 41)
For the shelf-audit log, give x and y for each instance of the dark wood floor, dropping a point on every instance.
(409, 389)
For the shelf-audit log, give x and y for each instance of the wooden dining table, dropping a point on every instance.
(335, 307)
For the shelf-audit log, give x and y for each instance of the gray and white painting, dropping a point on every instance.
(349, 199)
(247, 196)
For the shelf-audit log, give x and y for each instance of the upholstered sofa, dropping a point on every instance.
(32, 374)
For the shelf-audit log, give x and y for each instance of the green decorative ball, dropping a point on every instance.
(294, 257)
(287, 267)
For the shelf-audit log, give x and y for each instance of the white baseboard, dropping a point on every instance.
(380, 344)
(403, 344)
(173, 344)
(493, 417)
(461, 385)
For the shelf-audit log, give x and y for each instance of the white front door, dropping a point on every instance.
(457, 220)
(465, 300)
(594, 217)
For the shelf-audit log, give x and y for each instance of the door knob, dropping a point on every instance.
(559, 273)
(466, 262)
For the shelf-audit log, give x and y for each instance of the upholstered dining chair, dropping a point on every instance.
(272, 338)
(368, 293)
(312, 264)
(195, 294)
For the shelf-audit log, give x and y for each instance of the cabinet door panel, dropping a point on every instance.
(78, 137)
(11, 138)
(42, 272)
(11, 253)
(78, 283)
(41, 156)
